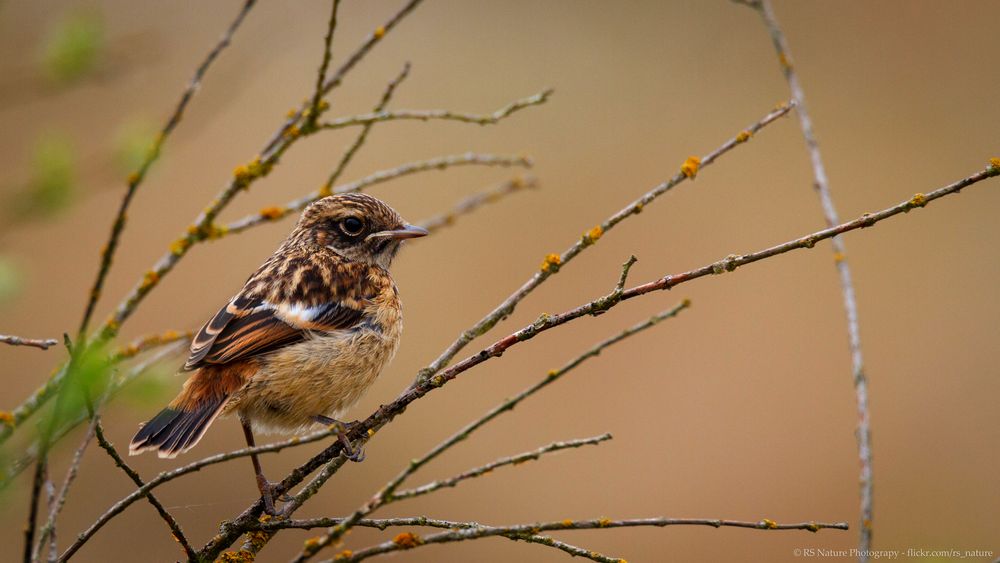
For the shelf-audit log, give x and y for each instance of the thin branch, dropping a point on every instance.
(411, 541)
(505, 309)
(44, 344)
(438, 163)
(36, 492)
(822, 186)
(314, 107)
(477, 200)
(175, 529)
(504, 461)
(152, 341)
(60, 499)
(386, 413)
(439, 114)
(136, 178)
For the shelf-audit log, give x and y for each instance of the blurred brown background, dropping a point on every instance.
(742, 408)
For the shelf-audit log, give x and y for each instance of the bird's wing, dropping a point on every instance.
(289, 297)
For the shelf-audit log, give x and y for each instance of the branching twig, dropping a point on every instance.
(314, 107)
(822, 186)
(136, 178)
(175, 529)
(439, 114)
(504, 310)
(484, 469)
(151, 341)
(43, 343)
(477, 200)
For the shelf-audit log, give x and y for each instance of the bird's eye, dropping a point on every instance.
(352, 226)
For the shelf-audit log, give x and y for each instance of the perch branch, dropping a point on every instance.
(136, 178)
(43, 343)
(822, 186)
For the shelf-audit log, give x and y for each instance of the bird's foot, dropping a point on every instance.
(269, 493)
(343, 428)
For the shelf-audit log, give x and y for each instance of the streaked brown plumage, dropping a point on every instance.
(305, 337)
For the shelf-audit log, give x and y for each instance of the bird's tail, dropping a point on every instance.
(179, 427)
(175, 430)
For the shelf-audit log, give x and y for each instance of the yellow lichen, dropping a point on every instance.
(783, 59)
(686, 303)
(346, 554)
(769, 524)
(380, 32)
(170, 335)
(918, 200)
(604, 522)
(593, 235)
(567, 522)
(371, 432)
(690, 166)
(7, 418)
(241, 556)
(995, 163)
(241, 172)
(551, 263)
(292, 113)
(839, 257)
(293, 131)
(407, 540)
(272, 212)
(179, 246)
(325, 191)
(744, 136)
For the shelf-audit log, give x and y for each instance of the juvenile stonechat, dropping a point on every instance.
(302, 341)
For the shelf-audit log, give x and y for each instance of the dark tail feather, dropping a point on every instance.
(175, 431)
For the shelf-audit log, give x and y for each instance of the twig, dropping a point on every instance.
(36, 491)
(439, 114)
(412, 541)
(314, 107)
(822, 186)
(34, 342)
(168, 476)
(136, 178)
(484, 469)
(151, 341)
(505, 309)
(386, 413)
(477, 200)
(438, 163)
(175, 529)
(60, 499)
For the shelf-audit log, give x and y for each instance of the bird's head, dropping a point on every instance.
(357, 226)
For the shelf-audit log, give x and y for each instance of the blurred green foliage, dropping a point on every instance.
(86, 380)
(73, 47)
(50, 189)
(10, 280)
(131, 144)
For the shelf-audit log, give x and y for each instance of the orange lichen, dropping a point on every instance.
(690, 166)
(380, 32)
(593, 235)
(273, 212)
(407, 540)
(918, 200)
(604, 522)
(346, 554)
(150, 279)
(551, 263)
(769, 524)
(7, 418)
(567, 522)
(995, 163)
(744, 136)
(783, 59)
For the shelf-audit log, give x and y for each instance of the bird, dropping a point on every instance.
(302, 341)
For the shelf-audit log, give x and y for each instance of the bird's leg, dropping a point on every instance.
(342, 428)
(266, 487)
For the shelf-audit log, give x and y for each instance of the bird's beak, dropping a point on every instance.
(408, 231)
